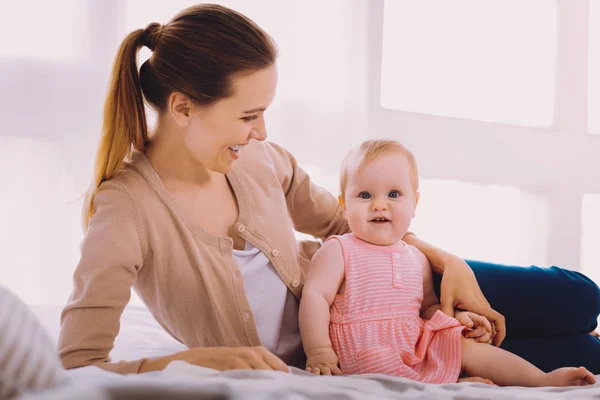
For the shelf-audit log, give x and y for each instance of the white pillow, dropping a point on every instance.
(140, 335)
(28, 360)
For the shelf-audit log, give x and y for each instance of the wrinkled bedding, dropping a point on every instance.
(141, 336)
(182, 381)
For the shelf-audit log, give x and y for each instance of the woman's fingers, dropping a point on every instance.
(486, 337)
(259, 363)
(273, 361)
(480, 320)
(498, 324)
(465, 319)
(477, 332)
(459, 288)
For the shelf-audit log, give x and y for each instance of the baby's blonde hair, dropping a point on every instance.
(370, 150)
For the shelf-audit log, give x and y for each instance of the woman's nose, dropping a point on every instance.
(258, 134)
(259, 131)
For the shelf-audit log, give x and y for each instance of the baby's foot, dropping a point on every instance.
(570, 377)
(475, 379)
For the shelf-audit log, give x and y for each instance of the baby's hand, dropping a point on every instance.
(322, 361)
(478, 326)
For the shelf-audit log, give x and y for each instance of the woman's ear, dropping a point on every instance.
(180, 108)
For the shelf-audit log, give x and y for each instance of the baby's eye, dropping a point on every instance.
(364, 195)
(394, 194)
(249, 118)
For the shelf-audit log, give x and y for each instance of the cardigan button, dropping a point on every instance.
(275, 252)
(241, 228)
(295, 283)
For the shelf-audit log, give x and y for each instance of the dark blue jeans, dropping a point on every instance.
(549, 313)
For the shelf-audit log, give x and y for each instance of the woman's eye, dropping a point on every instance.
(249, 118)
(394, 194)
(364, 195)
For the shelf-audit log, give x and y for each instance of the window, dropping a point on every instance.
(477, 59)
(494, 223)
(40, 213)
(594, 69)
(51, 30)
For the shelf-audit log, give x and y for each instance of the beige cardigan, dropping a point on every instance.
(187, 277)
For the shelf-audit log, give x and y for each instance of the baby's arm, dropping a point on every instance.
(325, 276)
(430, 301)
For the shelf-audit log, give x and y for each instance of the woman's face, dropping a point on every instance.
(217, 134)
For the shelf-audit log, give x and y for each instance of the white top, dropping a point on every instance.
(275, 308)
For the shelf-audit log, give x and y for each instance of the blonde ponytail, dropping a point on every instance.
(124, 125)
(196, 53)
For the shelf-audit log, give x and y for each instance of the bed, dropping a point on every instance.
(141, 336)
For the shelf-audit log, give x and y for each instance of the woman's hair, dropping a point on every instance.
(197, 54)
(371, 150)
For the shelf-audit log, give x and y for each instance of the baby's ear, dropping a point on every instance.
(417, 195)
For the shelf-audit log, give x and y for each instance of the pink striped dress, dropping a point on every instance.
(376, 325)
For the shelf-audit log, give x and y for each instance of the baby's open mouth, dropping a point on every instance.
(380, 220)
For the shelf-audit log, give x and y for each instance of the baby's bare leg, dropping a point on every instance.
(506, 369)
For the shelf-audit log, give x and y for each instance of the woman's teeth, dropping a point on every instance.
(236, 148)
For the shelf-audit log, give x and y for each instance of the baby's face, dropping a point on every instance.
(380, 200)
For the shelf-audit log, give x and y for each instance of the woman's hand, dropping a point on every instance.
(460, 289)
(478, 326)
(221, 358)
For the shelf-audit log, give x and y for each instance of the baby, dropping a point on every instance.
(369, 304)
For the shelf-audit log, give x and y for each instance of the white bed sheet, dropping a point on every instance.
(141, 336)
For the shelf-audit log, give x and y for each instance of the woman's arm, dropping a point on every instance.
(313, 209)
(430, 301)
(112, 253)
(220, 358)
(459, 288)
(437, 257)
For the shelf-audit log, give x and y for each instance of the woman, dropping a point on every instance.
(199, 217)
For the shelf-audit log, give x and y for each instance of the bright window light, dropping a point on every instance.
(500, 224)
(594, 69)
(40, 210)
(485, 60)
(50, 30)
(495, 223)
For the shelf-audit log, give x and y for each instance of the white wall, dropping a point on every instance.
(52, 88)
(561, 162)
